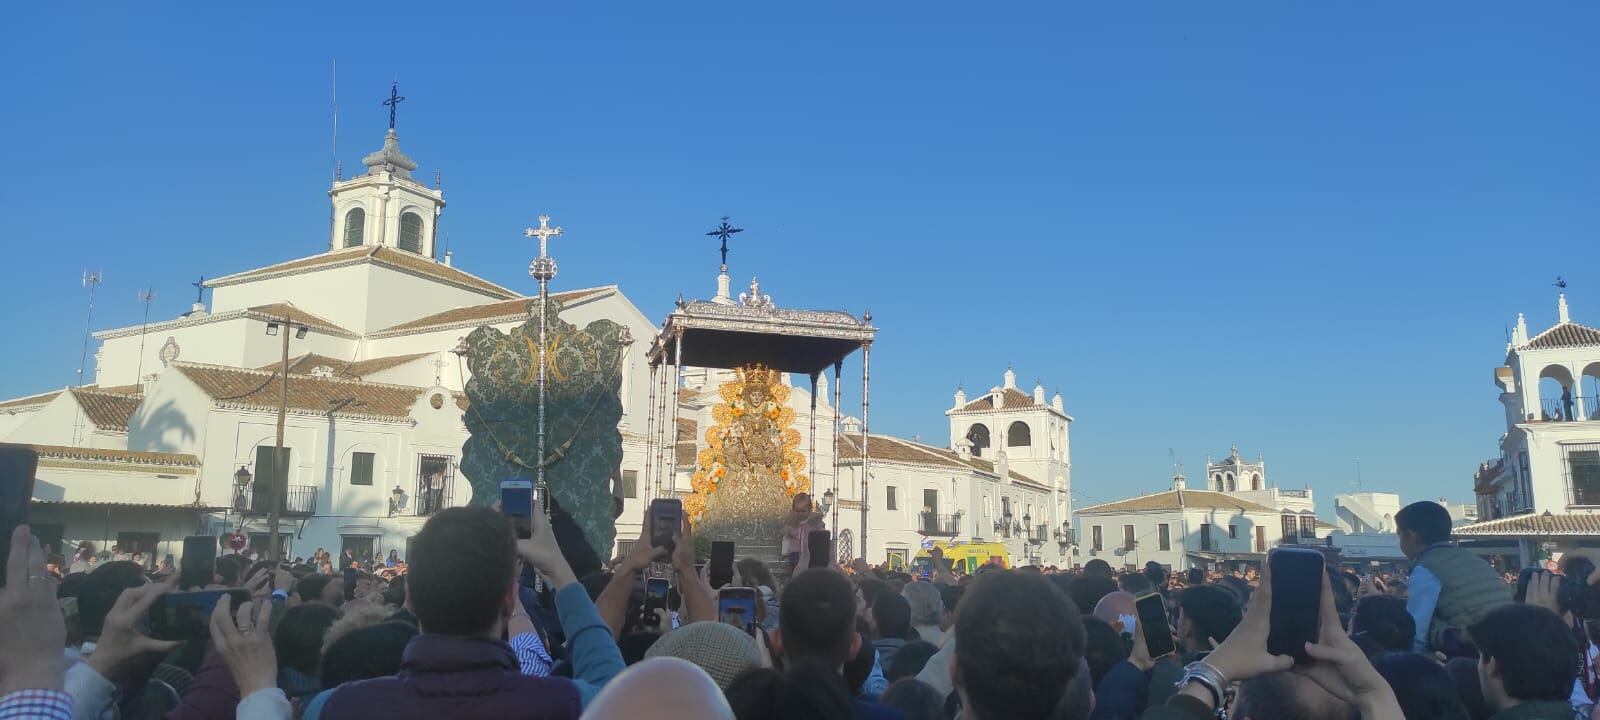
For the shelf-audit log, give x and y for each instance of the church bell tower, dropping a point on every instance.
(385, 205)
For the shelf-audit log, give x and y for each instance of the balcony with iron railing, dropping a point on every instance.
(297, 501)
(1038, 533)
(937, 525)
(1567, 410)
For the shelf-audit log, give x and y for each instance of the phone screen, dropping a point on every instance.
(18, 464)
(350, 578)
(516, 501)
(655, 597)
(1153, 623)
(721, 573)
(666, 519)
(737, 607)
(187, 615)
(198, 566)
(820, 543)
(1297, 577)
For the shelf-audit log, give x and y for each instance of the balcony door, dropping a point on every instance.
(268, 476)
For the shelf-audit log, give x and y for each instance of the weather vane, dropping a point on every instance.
(1560, 283)
(724, 232)
(199, 290)
(395, 98)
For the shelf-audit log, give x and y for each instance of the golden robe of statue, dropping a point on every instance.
(750, 469)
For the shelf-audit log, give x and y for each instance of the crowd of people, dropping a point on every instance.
(485, 625)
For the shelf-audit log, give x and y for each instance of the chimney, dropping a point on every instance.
(1056, 403)
(1179, 482)
(1011, 378)
(961, 397)
(1038, 393)
(964, 449)
(1561, 309)
(850, 426)
(447, 257)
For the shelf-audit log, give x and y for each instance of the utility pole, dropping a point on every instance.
(280, 466)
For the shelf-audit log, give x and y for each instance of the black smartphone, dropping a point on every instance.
(1152, 611)
(187, 615)
(198, 566)
(666, 521)
(1297, 577)
(516, 501)
(655, 597)
(721, 572)
(350, 578)
(18, 464)
(737, 607)
(820, 542)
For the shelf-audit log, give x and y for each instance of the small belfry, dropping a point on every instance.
(385, 206)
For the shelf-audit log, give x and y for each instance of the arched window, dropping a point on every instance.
(978, 435)
(1018, 435)
(1216, 482)
(355, 227)
(1232, 485)
(411, 233)
(1255, 481)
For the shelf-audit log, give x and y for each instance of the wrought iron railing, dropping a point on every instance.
(296, 500)
(935, 524)
(1039, 533)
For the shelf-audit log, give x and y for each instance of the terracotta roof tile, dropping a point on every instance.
(893, 449)
(1565, 335)
(278, 311)
(1010, 399)
(504, 311)
(688, 454)
(1178, 500)
(108, 411)
(350, 369)
(688, 429)
(29, 400)
(64, 452)
(259, 389)
(377, 255)
(1532, 525)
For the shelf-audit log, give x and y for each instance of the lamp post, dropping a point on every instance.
(827, 501)
(241, 480)
(280, 464)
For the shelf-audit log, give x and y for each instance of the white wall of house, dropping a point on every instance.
(62, 421)
(219, 341)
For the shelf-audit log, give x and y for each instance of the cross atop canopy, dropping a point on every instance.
(724, 232)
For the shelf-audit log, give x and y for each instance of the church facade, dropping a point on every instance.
(176, 435)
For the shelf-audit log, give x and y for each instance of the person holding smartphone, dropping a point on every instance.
(699, 601)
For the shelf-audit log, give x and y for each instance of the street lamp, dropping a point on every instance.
(241, 480)
(280, 464)
(241, 477)
(397, 500)
(827, 501)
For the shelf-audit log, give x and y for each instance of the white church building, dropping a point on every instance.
(179, 425)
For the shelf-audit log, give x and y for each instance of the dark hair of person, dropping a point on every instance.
(817, 617)
(807, 691)
(1288, 696)
(1383, 621)
(858, 668)
(1097, 568)
(311, 587)
(1103, 647)
(1238, 586)
(891, 612)
(297, 639)
(1212, 610)
(951, 595)
(1421, 685)
(1087, 590)
(371, 652)
(910, 659)
(1468, 687)
(100, 590)
(756, 573)
(633, 646)
(1078, 701)
(1134, 584)
(231, 569)
(917, 700)
(1533, 649)
(1020, 643)
(395, 594)
(461, 566)
(1428, 519)
(1156, 573)
(870, 589)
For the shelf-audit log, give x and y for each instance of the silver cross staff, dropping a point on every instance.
(543, 268)
(540, 266)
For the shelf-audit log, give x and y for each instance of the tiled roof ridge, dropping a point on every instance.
(1183, 502)
(1570, 332)
(41, 398)
(428, 323)
(293, 375)
(376, 254)
(154, 458)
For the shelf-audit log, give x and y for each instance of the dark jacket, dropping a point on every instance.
(1468, 589)
(458, 679)
(1536, 710)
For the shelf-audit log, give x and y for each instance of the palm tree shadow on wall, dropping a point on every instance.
(165, 429)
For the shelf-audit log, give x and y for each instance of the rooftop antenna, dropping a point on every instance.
(146, 296)
(1358, 473)
(92, 281)
(336, 169)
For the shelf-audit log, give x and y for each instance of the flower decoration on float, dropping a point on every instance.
(752, 437)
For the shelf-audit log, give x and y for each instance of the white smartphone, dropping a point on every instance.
(516, 501)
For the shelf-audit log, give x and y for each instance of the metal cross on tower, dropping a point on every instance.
(395, 98)
(724, 232)
(543, 268)
(199, 290)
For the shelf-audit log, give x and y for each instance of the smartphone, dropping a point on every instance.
(820, 543)
(18, 464)
(350, 578)
(187, 615)
(516, 501)
(198, 567)
(736, 606)
(655, 597)
(721, 572)
(1152, 611)
(1297, 577)
(666, 520)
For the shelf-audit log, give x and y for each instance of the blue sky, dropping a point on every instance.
(1298, 226)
